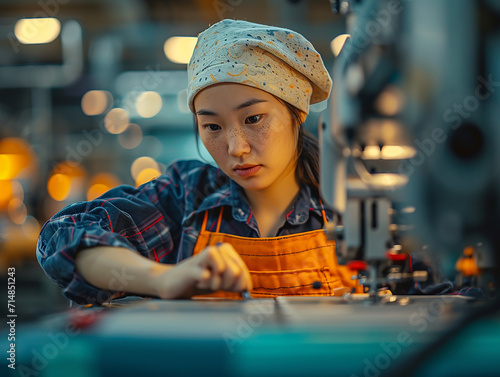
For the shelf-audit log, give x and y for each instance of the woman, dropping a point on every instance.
(254, 223)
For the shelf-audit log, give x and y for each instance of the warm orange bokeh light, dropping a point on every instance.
(96, 190)
(5, 193)
(107, 179)
(10, 190)
(15, 155)
(58, 186)
(141, 164)
(146, 175)
(101, 183)
(65, 178)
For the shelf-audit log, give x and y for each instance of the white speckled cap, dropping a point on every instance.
(279, 61)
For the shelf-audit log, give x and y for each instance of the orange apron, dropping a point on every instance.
(284, 266)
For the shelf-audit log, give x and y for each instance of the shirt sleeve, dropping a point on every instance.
(146, 220)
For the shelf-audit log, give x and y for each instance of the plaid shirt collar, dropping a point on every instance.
(231, 194)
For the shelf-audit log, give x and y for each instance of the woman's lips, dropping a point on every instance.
(247, 171)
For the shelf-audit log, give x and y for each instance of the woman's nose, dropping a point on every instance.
(237, 143)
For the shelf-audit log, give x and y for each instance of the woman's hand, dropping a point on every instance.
(217, 267)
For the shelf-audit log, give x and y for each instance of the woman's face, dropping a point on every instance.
(249, 134)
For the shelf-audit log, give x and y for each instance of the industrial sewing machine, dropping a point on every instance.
(408, 141)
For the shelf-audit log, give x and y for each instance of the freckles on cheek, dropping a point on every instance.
(212, 146)
(265, 135)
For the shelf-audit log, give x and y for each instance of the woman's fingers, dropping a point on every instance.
(217, 267)
(244, 281)
(227, 271)
(214, 260)
(234, 271)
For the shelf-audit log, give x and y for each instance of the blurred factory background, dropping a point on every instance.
(92, 95)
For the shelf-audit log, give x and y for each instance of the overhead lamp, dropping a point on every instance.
(179, 49)
(338, 42)
(37, 30)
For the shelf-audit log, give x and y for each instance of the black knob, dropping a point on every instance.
(467, 141)
(317, 285)
(335, 4)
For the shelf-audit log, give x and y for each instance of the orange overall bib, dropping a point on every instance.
(284, 266)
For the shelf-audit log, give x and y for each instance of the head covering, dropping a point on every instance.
(279, 61)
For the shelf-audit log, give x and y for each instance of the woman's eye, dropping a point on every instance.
(253, 119)
(212, 127)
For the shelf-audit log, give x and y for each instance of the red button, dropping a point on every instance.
(395, 257)
(357, 265)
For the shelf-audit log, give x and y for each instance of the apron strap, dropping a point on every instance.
(323, 212)
(204, 224)
(219, 219)
(205, 221)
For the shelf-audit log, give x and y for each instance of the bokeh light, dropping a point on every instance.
(397, 152)
(390, 101)
(10, 190)
(96, 190)
(131, 137)
(388, 179)
(148, 104)
(17, 211)
(100, 183)
(179, 49)
(116, 121)
(146, 175)
(96, 102)
(143, 163)
(388, 152)
(15, 156)
(409, 209)
(37, 30)
(338, 42)
(17, 190)
(5, 193)
(58, 186)
(371, 152)
(66, 178)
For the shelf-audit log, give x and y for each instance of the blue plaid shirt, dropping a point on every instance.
(161, 220)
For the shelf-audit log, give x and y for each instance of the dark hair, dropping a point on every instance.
(307, 170)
